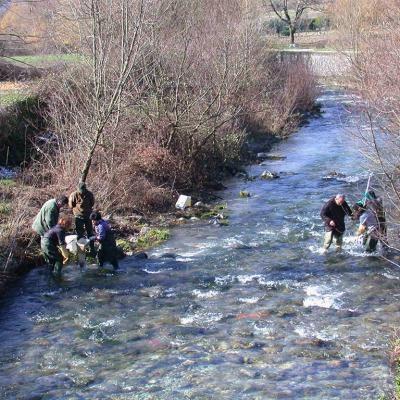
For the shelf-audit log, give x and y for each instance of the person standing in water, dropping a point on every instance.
(369, 227)
(81, 202)
(54, 247)
(104, 236)
(333, 213)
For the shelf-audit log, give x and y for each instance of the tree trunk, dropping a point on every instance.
(292, 31)
(89, 157)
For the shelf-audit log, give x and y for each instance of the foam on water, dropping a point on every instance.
(249, 300)
(44, 319)
(201, 318)
(322, 296)
(205, 295)
(160, 271)
(311, 332)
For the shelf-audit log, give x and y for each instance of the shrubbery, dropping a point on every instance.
(202, 79)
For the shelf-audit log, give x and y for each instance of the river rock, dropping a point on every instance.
(223, 346)
(240, 246)
(242, 175)
(169, 255)
(338, 363)
(269, 175)
(144, 230)
(254, 316)
(275, 157)
(245, 360)
(141, 256)
(188, 363)
(153, 292)
(271, 156)
(315, 342)
(243, 193)
(262, 155)
(334, 175)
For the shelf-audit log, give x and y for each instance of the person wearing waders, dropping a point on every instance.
(48, 215)
(369, 228)
(333, 214)
(82, 202)
(54, 247)
(375, 204)
(107, 250)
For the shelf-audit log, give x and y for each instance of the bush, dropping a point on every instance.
(152, 238)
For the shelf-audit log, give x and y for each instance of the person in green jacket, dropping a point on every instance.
(48, 215)
(81, 202)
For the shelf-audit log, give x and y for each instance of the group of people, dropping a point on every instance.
(368, 212)
(52, 228)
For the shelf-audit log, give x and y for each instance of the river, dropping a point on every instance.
(252, 310)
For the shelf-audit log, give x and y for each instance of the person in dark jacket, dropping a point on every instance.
(54, 247)
(107, 250)
(82, 202)
(333, 214)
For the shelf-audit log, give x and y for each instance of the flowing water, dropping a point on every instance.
(252, 310)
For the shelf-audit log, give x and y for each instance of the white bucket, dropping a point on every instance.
(183, 202)
(71, 242)
(83, 243)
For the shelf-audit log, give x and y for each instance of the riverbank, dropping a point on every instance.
(247, 310)
(136, 232)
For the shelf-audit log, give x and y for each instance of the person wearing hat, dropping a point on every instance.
(333, 214)
(107, 250)
(82, 202)
(369, 228)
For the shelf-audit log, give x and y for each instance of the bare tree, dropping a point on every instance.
(291, 12)
(199, 77)
(372, 34)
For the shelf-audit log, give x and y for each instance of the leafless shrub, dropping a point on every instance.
(372, 30)
(172, 115)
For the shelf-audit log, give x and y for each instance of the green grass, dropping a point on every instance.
(41, 60)
(5, 208)
(125, 245)
(12, 97)
(397, 383)
(7, 183)
(212, 212)
(152, 238)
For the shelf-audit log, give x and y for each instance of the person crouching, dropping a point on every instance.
(54, 247)
(107, 250)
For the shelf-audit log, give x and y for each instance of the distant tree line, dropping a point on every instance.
(317, 24)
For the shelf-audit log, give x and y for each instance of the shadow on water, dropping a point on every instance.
(252, 310)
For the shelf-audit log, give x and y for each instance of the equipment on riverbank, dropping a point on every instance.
(183, 202)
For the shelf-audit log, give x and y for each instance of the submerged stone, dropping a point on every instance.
(269, 175)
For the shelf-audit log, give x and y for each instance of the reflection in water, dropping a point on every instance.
(248, 311)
